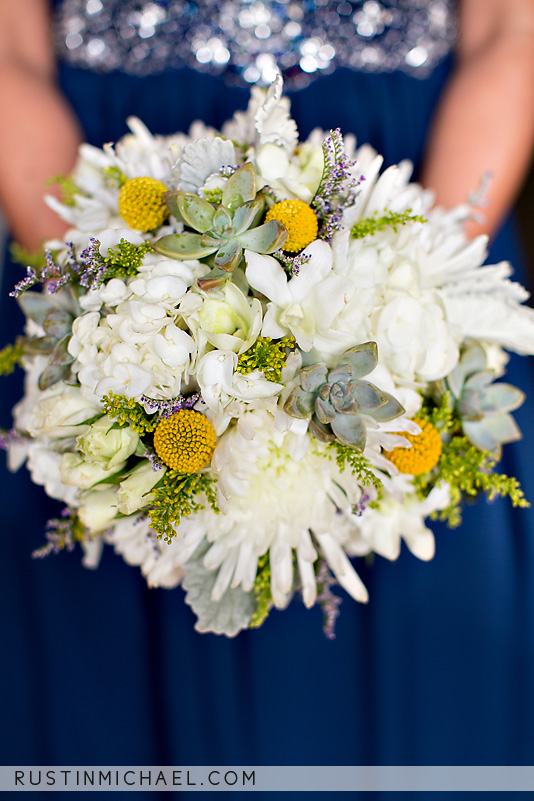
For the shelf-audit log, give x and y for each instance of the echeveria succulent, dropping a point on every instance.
(223, 230)
(337, 399)
(57, 325)
(482, 405)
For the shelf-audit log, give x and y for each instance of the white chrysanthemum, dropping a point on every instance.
(401, 516)
(277, 494)
(137, 154)
(133, 538)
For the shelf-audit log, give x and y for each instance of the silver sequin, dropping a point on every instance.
(249, 41)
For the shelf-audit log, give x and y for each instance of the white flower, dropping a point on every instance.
(228, 393)
(307, 304)
(77, 472)
(226, 318)
(60, 411)
(138, 350)
(134, 491)
(44, 465)
(290, 178)
(98, 508)
(133, 538)
(402, 517)
(414, 340)
(274, 488)
(107, 445)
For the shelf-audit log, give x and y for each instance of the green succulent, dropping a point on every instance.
(337, 399)
(57, 324)
(223, 229)
(482, 405)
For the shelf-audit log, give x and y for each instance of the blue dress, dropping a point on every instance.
(437, 669)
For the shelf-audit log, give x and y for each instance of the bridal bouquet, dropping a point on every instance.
(256, 358)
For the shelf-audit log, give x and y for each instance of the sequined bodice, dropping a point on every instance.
(249, 41)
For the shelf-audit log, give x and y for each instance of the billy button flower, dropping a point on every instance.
(300, 221)
(185, 441)
(424, 453)
(142, 203)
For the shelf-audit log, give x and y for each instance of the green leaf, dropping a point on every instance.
(240, 187)
(362, 358)
(230, 615)
(57, 323)
(324, 411)
(60, 354)
(172, 205)
(266, 238)
(213, 280)
(248, 215)
(313, 377)
(35, 305)
(368, 397)
(182, 246)
(228, 256)
(388, 411)
(222, 220)
(350, 430)
(52, 374)
(195, 211)
(299, 404)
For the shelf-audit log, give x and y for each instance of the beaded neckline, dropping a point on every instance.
(249, 41)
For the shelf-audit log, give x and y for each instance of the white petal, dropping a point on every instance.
(225, 575)
(267, 276)
(307, 576)
(342, 568)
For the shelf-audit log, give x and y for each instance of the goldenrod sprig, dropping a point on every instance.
(178, 495)
(369, 226)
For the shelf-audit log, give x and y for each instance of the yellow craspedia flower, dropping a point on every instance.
(185, 441)
(142, 203)
(424, 453)
(300, 221)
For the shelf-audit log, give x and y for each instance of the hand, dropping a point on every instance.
(485, 120)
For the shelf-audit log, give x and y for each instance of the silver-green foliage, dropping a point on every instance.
(483, 406)
(337, 399)
(223, 230)
(57, 325)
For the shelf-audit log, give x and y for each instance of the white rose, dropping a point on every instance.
(108, 445)
(98, 509)
(59, 412)
(134, 491)
(76, 472)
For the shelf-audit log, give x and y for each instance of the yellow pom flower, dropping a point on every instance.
(300, 221)
(185, 441)
(424, 453)
(142, 203)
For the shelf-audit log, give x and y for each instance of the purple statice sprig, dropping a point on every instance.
(328, 602)
(166, 408)
(62, 534)
(12, 437)
(337, 189)
(92, 266)
(359, 508)
(292, 264)
(54, 275)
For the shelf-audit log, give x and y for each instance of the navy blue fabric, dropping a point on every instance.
(437, 669)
